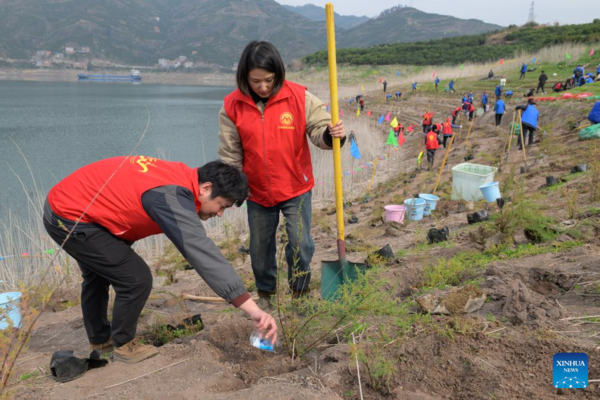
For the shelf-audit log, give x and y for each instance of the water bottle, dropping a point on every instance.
(262, 343)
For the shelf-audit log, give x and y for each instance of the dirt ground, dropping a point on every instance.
(534, 309)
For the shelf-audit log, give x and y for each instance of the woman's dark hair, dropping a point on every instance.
(227, 181)
(260, 55)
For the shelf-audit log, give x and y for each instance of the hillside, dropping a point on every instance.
(534, 266)
(474, 48)
(207, 32)
(140, 32)
(407, 24)
(316, 13)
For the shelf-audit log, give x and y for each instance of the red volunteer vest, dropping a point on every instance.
(427, 118)
(447, 129)
(456, 111)
(276, 153)
(432, 142)
(118, 208)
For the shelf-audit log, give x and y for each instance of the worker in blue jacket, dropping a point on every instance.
(451, 86)
(523, 71)
(498, 91)
(437, 83)
(529, 121)
(594, 116)
(484, 101)
(414, 87)
(499, 109)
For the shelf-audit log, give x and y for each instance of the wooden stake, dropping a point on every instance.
(373, 174)
(357, 368)
(468, 133)
(437, 182)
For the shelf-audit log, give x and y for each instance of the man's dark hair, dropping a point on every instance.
(260, 55)
(227, 181)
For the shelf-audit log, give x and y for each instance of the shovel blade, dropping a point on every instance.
(335, 273)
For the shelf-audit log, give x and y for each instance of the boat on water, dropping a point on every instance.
(134, 76)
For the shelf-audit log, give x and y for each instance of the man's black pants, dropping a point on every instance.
(106, 260)
(498, 119)
(430, 156)
(447, 138)
(541, 86)
(526, 130)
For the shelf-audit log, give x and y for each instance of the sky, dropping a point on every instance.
(501, 12)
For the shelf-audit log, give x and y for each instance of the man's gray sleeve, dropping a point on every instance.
(173, 209)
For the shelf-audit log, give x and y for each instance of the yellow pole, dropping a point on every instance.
(437, 182)
(468, 133)
(337, 157)
(372, 174)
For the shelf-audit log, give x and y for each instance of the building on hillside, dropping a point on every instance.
(69, 50)
(163, 63)
(181, 59)
(188, 64)
(85, 50)
(39, 63)
(59, 56)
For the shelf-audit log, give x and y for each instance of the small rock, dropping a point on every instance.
(452, 301)
(353, 219)
(243, 250)
(393, 229)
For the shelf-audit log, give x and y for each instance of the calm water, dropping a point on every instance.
(62, 126)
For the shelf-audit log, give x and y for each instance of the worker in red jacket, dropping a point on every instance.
(427, 121)
(455, 113)
(470, 110)
(100, 210)
(447, 131)
(432, 143)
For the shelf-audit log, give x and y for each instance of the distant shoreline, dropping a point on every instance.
(171, 78)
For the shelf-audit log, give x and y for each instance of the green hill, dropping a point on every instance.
(474, 48)
(407, 24)
(315, 13)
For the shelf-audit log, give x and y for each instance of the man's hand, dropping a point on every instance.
(263, 322)
(338, 130)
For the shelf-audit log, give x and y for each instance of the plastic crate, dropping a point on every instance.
(466, 179)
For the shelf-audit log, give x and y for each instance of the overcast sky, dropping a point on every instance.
(501, 12)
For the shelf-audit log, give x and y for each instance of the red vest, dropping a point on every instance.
(447, 129)
(470, 107)
(276, 153)
(118, 208)
(456, 111)
(427, 118)
(431, 142)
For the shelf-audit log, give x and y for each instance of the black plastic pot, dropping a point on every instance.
(551, 181)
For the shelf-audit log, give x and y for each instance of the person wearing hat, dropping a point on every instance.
(529, 121)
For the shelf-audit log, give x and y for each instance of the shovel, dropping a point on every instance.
(337, 272)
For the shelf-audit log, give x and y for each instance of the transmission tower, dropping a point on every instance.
(531, 13)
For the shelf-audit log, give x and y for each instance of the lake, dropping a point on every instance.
(61, 126)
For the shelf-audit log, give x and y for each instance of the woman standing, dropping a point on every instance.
(264, 127)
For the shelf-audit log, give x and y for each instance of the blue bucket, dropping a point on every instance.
(490, 191)
(9, 308)
(415, 208)
(430, 202)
